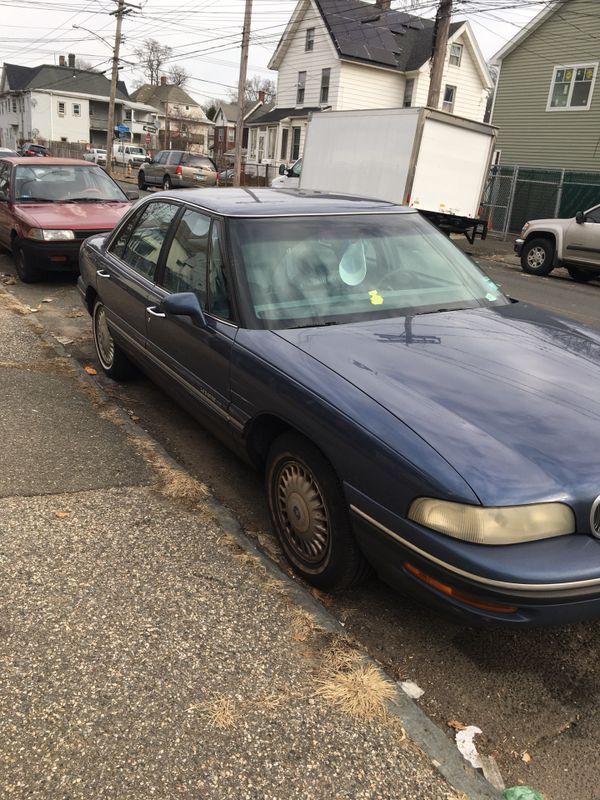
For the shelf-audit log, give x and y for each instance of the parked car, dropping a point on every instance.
(176, 169)
(32, 150)
(404, 412)
(129, 154)
(48, 206)
(571, 243)
(289, 177)
(5, 152)
(226, 176)
(97, 155)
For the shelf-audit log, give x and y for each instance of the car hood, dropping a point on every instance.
(87, 216)
(509, 395)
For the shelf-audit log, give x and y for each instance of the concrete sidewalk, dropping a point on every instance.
(491, 248)
(146, 649)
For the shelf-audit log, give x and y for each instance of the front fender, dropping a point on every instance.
(547, 230)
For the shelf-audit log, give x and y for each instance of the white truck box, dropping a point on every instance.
(427, 159)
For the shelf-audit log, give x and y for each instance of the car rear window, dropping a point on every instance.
(193, 160)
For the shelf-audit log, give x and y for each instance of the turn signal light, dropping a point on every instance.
(450, 591)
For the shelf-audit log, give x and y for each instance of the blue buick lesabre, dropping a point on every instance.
(407, 415)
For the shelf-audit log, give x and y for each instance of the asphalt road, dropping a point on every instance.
(534, 693)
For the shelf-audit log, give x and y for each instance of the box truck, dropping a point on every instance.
(430, 160)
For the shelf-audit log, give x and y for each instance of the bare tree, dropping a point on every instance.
(255, 85)
(81, 63)
(151, 57)
(178, 75)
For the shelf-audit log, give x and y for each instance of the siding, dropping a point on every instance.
(530, 135)
(369, 87)
(297, 60)
(45, 118)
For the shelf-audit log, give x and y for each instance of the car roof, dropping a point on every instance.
(250, 202)
(49, 162)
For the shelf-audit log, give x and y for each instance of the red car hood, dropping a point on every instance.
(87, 216)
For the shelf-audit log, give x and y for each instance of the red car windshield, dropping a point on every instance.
(60, 183)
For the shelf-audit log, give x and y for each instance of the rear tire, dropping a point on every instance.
(26, 272)
(310, 515)
(112, 359)
(166, 184)
(582, 275)
(537, 257)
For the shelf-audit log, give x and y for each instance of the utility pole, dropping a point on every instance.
(110, 132)
(440, 46)
(239, 128)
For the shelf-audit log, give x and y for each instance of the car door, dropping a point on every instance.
(126, 278)
(5, 212)
(197, 356)
(154, 171)
(583, 239)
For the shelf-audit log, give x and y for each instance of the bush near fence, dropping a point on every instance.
(516, 194)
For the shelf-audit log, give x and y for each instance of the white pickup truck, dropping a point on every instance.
(571, 243)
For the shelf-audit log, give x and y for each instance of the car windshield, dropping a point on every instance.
(325, 270)
(136, 151)
(61, 183)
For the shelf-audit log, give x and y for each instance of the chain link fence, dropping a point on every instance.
(515, 194)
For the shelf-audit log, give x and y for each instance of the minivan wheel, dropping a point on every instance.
(310, 515)
(112, 359)
(26, 272)
(537, 257)
(582, 275)
(167, 183)
(142, 186)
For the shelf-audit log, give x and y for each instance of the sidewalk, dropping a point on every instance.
(491, 248)
(146, 649)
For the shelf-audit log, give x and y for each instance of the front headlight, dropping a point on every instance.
(44, 235)
(524, 229)
(502, 525)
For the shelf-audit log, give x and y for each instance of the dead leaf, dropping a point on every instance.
(456, 725)
(90, 371)
(62, 514)
(526, 757)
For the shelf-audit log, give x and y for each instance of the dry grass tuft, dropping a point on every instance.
(11, 303)
(174, 482)
(221, 712)
(304, 625)
(356, 687)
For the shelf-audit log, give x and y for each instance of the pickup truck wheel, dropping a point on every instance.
(310, 515)
(167, 183)
(112, 359)
(582, 275)
(537, 257)
(26, 272)
(142, 185)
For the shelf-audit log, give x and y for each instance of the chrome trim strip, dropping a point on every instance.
(524, 587)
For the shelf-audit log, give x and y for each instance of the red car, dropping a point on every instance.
(48, 206)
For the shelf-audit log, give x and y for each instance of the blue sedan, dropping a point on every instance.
(407, 416)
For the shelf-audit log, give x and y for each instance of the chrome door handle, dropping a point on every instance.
(152, 310)
(102, 273)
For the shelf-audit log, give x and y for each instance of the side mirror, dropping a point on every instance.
(580, 217)
(184, 304)
(131, 194)
(282, 169)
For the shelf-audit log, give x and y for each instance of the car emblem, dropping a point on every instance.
(595, 517)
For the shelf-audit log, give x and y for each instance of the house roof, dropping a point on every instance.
(231, 110)
(67, 79)
(163, 93)
(277, 114)
(259, 113)
(532, 25)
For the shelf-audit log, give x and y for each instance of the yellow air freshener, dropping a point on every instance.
(376, 298)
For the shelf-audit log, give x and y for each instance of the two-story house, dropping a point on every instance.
(226, 117)
(183, 123)
(60, 103)
(347, 54)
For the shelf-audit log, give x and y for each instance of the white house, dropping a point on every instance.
(346, 54)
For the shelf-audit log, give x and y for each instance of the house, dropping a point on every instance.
(347, 54)
(226, 117)
(547, 100)
(183, 123)
(60, 103)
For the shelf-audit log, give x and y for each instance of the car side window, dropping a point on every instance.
(593, 215)
(119, 243)
(5, 180)
(187, 260)
(218, 295)
(144, 245)
(174, 157)
(161, 158)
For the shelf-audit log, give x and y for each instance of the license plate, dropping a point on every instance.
(200, 177)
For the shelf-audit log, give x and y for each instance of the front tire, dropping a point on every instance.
(142, 185)
(26, 272)
(582, 275)
(537, 257)
(166, 184)
(310, 515)
(112, 359)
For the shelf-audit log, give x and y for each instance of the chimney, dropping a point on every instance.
(261, 97)
(384, 5)
(163, 80)
(61, 61)
(72, 60)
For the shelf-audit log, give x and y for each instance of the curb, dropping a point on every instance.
(444, 756)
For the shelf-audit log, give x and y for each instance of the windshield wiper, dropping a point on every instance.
(315, 325)
(440, 311)
(89, 200)
(33, 200)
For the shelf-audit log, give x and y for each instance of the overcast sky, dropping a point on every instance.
(204, 34)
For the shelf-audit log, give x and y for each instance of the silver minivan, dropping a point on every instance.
(171, 169)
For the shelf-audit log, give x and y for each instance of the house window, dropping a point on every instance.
(14, 104)
(409, 88)
(284, 144)
(456, 54)
(301, 87)
(310, 39)
(231, 134)
(252, 147)
(325, 75)
(572, 87)
(76, 110)
(449, 98)
(271, 143)
(61, 109)
(219, 134)
(296, 143)
(128, 116)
